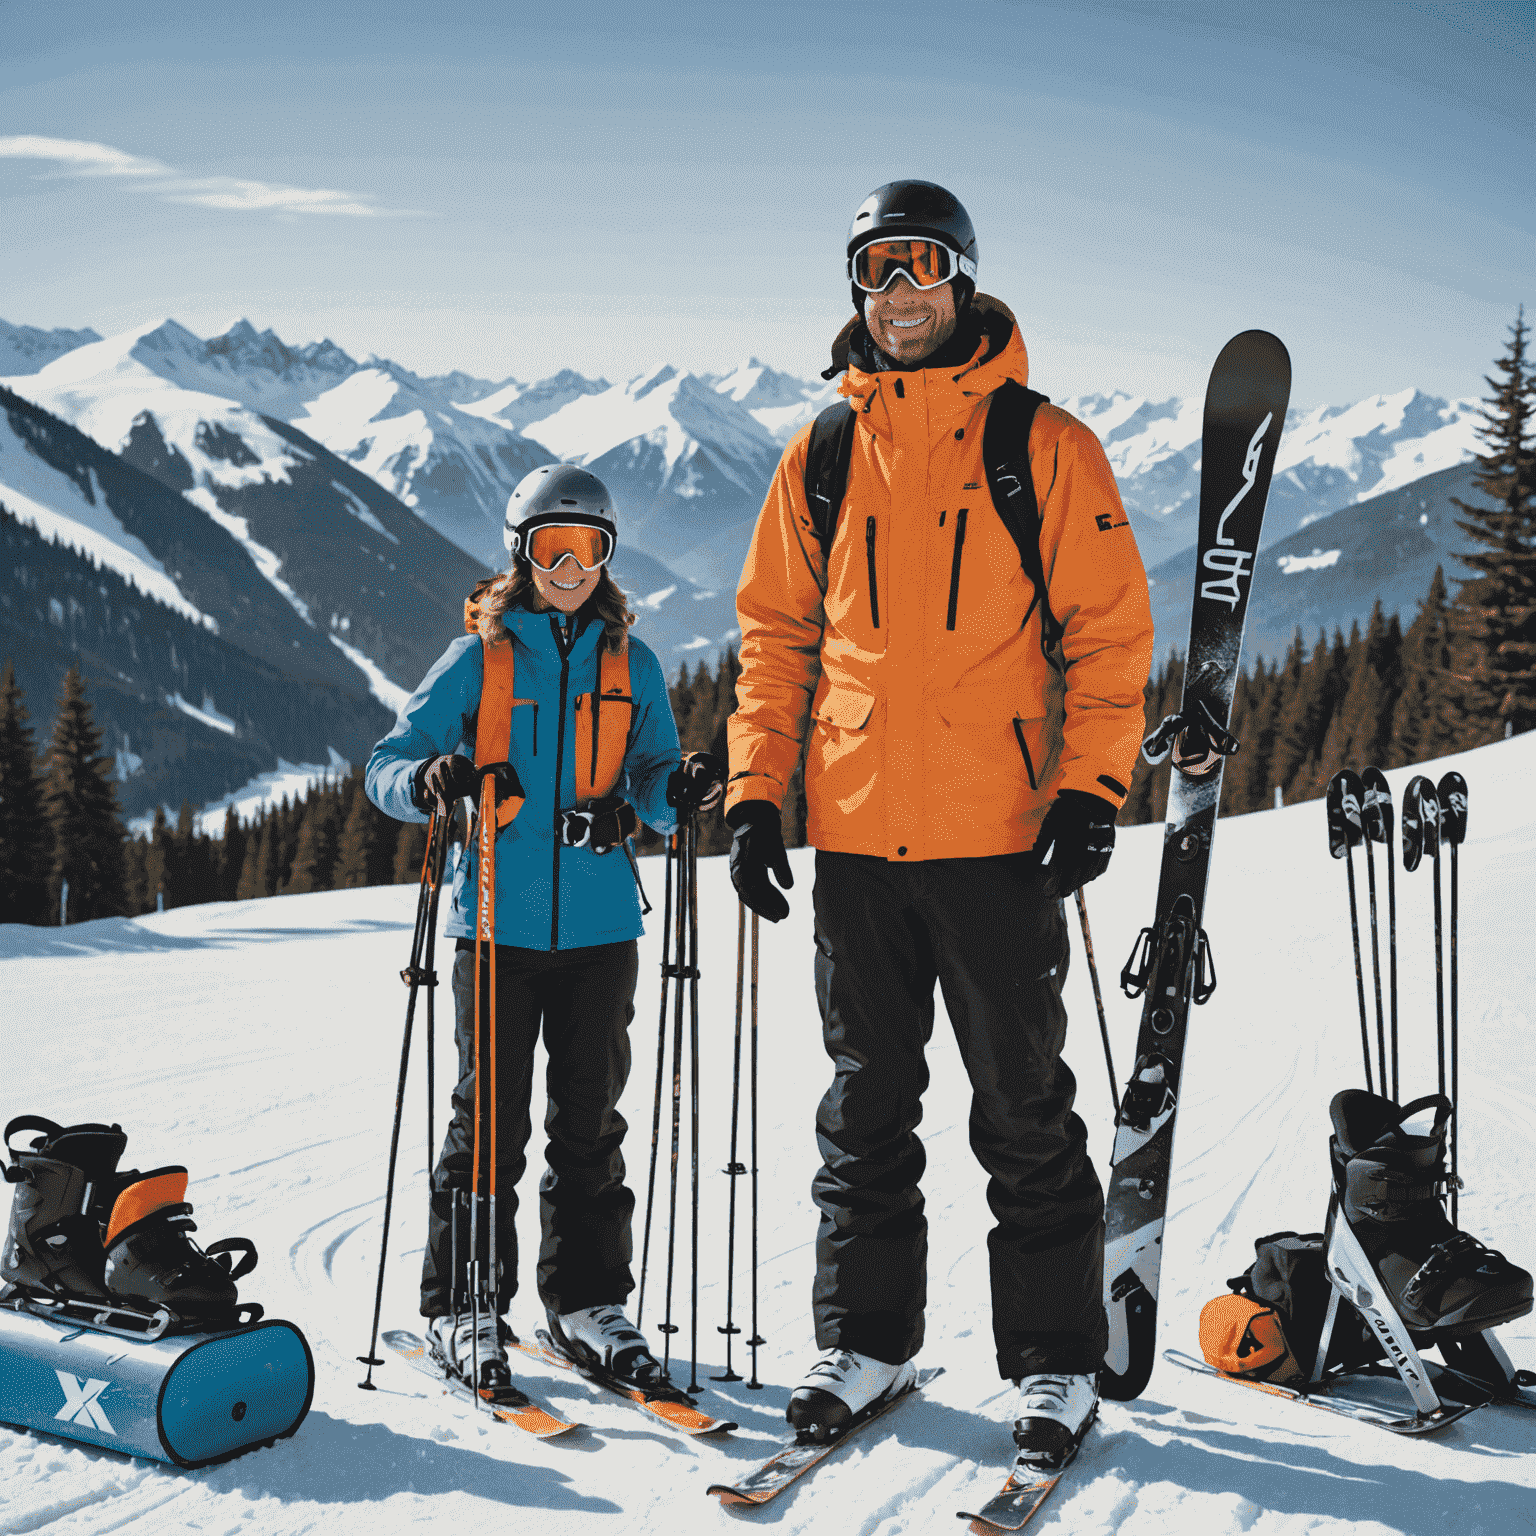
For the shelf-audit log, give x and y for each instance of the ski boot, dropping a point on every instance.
(1052, 1413)
(603, 1339)
(65, 1184)
(840, 1387)
(153, 1264)
(1387, 1187)
(477, 1357)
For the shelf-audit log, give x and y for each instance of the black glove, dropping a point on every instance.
(695, 784)
(447, 777)
(1075, 842)
(757, 847)
(602, 826)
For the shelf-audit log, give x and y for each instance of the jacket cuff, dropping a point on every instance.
(1081, 776)
(752, 786)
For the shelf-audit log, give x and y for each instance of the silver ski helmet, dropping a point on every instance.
(903, 209)
(556, 494)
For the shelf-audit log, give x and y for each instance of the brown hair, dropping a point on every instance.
(514, 588)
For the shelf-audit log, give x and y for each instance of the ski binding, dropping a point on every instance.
(786, 1466)
(508, 1406)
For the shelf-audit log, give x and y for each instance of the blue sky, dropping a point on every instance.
(512, 188)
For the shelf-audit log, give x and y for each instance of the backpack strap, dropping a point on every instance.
(827, 457)
(603, 720)
(1005, 453)
(493, 722)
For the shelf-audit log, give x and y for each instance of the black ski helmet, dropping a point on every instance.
(557, 493)
(915, 208)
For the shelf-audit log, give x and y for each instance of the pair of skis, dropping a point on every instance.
(1023, 1492)
(669, 1405)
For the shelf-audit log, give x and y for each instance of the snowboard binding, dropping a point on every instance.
(112, 1251)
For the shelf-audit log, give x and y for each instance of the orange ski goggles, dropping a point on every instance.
(589, 547)
(925, 263)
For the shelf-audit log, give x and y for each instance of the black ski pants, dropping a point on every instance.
(997, 947)
(584, 1000)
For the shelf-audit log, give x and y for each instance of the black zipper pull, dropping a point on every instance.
(874, 595)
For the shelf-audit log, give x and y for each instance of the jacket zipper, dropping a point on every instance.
(874, 595)
(564, 646)
(954, 569)
(1029, 767)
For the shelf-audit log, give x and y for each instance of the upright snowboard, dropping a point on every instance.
(1245, 407)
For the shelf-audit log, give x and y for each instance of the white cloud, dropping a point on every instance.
(82, 156)
(230, 194)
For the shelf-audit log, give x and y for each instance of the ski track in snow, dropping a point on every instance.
(259, 1044)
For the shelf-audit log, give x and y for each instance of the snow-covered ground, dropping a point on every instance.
(258, 1043)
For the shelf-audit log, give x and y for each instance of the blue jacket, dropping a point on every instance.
(547, 896)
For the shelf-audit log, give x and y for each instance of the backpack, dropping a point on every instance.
(1269, 1325)
(1004, 453)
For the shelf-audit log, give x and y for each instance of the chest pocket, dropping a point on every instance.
(603, 720)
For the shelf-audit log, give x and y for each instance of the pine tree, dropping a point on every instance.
(155, 861)
(1427, 712)
(257, 878)
(1260, 766)
(135, 892)
(1496, 612)
(231, 856)
(410, 853)
(81, 806)
(358, 856)
(314, 859)
(25, 838)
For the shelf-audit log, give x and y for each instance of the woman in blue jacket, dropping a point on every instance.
(590, 746)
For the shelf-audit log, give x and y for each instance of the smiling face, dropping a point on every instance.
(566, 587)
(908, 323)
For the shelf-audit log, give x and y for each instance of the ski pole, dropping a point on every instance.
(680, 972)
(1377, 818)
(1452, 792)
(733, 1169)
(416, 975)
(1376, 989)
(1098, 998)
(693, 1077)
(661, 1052)
(757, 1339)
(1421, 835)
(1345, 831)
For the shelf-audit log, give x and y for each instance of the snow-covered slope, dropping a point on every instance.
(282, 1114)
(309, 522)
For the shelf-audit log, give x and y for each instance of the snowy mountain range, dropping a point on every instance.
(321, 468)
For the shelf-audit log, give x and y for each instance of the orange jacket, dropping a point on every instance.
(930, 742)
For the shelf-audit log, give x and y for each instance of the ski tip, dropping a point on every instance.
(690, 1420)
(536, 1422)
(728, 1495)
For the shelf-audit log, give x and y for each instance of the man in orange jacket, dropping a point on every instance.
(960, 781)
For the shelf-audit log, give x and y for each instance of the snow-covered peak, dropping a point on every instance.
(515, 405)
(662, 405)
(245, 349)
(24, 349)
(778, 402)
